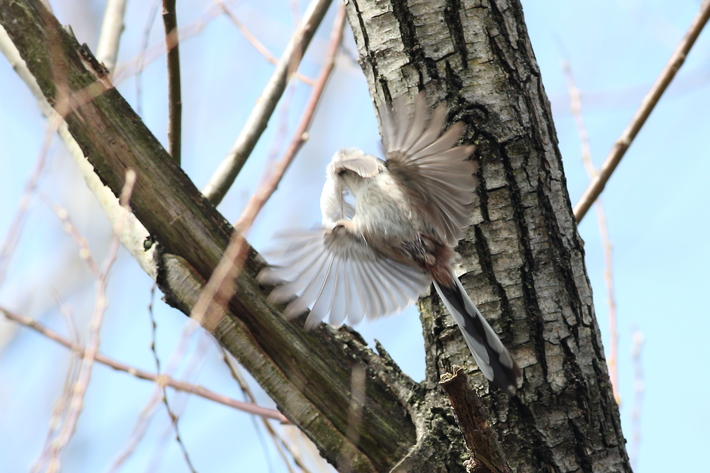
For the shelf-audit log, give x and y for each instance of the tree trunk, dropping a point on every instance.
(522, 258)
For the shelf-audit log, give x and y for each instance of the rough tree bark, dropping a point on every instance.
(522, 259)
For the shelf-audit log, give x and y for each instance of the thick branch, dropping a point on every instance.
(307, 374)
(480, 438)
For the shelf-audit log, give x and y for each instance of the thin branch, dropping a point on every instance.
(254, 41)
(576, 108)
(220, 286)
(647, 105)
(79, 240)
(228, 170)
(132, 233)
(16, 227)
(258, 200)
(171, 414)
(177, 406)
(639, 389)
(172, 42)
(59, 411)
(279, 442)
(148, 55)
(139, 63)
(358, 377)
(141, 374)
(609, 281)
(76, 403)
(111, 29)
(142, 423)
(147, 412)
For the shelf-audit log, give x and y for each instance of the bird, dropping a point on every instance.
(388, 231)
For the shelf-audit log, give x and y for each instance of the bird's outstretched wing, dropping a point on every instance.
(437, 172)
(335, 272)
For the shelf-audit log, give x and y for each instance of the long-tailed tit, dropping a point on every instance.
(379, 256)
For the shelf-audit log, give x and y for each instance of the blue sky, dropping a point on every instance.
(655, 206)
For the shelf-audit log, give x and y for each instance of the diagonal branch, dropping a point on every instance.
(76, 401)
(258, 200)
(228, 170)
(306, 373)
(254, 41)
(111, 29)
(639, 119)
(251, 408)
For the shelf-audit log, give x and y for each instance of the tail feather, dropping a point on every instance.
(492, 357)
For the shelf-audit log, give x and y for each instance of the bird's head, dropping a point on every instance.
(352, 164)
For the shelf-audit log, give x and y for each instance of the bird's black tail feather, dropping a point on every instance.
(492, 357)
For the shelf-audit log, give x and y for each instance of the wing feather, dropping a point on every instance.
(437, 173)
(337, 275)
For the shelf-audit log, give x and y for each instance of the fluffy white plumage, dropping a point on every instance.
(379, 256)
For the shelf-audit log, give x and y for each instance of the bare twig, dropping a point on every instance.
(208, 311)
(111, 29)
(172, 41)
(636, 350)
(141, 374)
(576, 108)
(132, 232)
(58, 412)
(79, 240)
(150, 54)
(143, 422)
(279, 442)
(141, 61)
(258, 200)
(609, 281)
(141, 425)
(258, 45)
(16, 226)
(59, 76)
(358, 378)
(220, 286)
(176, 407)
(647, 105)
(486, 455)
(228, 170)
(171, 414)
(79, 389)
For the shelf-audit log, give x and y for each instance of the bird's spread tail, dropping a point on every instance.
(492, 357)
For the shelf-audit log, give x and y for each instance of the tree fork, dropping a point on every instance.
(523, 258)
